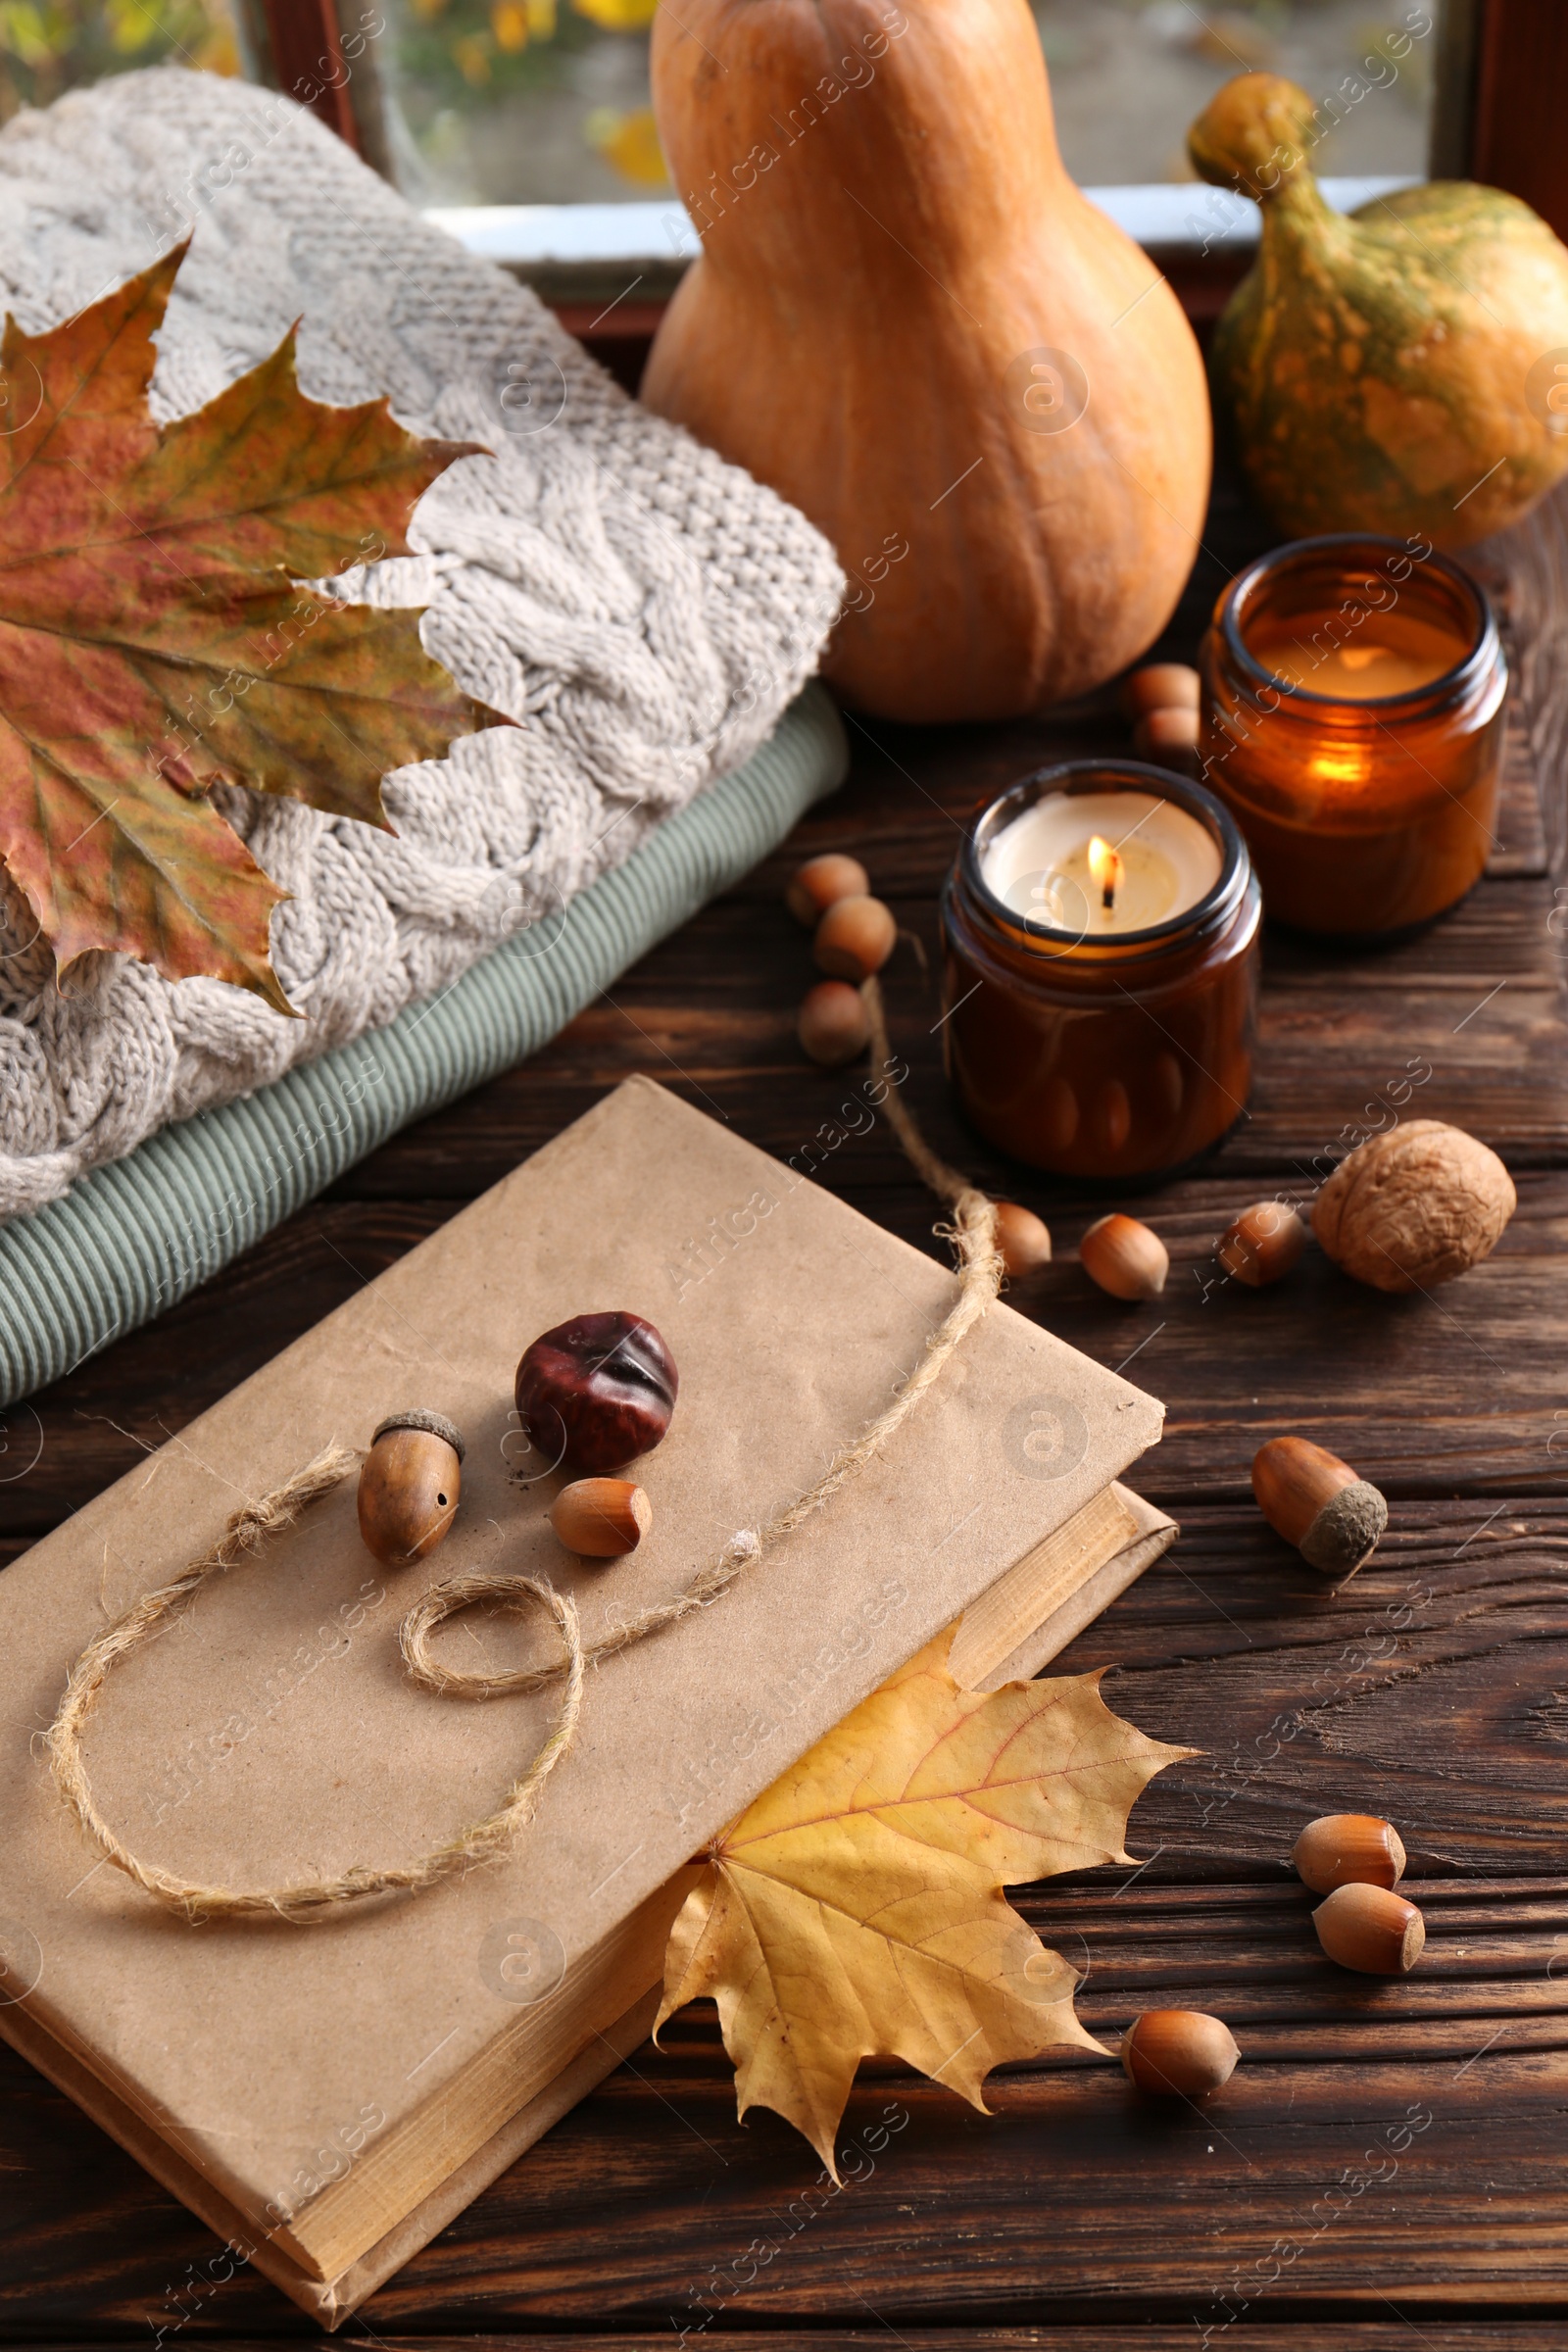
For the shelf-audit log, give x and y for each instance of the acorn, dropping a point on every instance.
(1371, 1929)
(1124, 1258)
(1262, 1244)
(1161, 686)
(410, 1482)
(1022, 1239)
(833, 1025)
(820, 883)
(596, 1390)
(1317, 1503)
(1344, 1849)
(855, 938)
(1180, 2053)
(602, 1518)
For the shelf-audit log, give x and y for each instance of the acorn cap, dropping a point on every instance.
(418, 1418)
(1346, 1530)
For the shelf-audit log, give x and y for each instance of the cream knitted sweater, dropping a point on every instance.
(643, 608)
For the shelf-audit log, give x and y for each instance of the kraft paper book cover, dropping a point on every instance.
(320, 2081)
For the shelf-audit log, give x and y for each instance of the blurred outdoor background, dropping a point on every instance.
(546, 101)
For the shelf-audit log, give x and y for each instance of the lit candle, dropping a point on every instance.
(1354, 694)
(1101, 862)
(1101, 971)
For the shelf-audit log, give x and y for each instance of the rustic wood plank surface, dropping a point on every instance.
(1388, 2168)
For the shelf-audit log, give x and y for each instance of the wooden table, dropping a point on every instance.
(1390, 2164)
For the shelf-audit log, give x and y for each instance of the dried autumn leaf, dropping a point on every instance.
(857, 1908)
(152, 641)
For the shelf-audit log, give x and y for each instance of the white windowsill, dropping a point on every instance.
(657, 241)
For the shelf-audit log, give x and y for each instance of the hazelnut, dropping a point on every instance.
(833, 1026)
(1161, 686)
(1124, 1258)
(410, 1482)
(597, 1391)
(1371, 1929)
(603, 1518)
(820, 882)
(1180, 2052)
(1262, 1244)
(1414, 1208)
(1317, 1503)
(855, 938)
(1348, 1849)
(1024, 1242)
(1169, 739)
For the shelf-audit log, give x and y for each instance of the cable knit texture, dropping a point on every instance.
(645, 611)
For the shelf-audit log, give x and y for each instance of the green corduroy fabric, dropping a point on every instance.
(134, 1237)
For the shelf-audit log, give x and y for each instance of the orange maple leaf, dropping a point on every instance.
(856, 1909)
(154, 641)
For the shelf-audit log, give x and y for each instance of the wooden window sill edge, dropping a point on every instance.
(612, 260)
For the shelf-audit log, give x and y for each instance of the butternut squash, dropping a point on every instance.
(908, 320)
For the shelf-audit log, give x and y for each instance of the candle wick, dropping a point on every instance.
(1108, 898)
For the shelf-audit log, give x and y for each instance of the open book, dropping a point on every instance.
(327, 2096)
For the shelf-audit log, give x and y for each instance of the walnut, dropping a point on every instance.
(1414, 1208)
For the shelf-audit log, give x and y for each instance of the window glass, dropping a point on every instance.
(47, 46)
(546, 101)
(519, 101)
(1128, 76)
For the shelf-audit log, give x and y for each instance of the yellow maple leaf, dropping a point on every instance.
(855, 1910)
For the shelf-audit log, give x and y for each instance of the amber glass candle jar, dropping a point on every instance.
(1088, 1038)
(1353, 692)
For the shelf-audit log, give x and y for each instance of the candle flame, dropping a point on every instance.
(1105, 870)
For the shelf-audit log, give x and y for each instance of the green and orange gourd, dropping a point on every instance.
(909, 321)
(1403, 369)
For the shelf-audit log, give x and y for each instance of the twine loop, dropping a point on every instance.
(973, 1233)
(460, 1592)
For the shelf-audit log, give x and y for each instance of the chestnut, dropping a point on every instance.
(597, 1391)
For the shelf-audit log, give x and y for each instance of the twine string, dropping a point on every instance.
(973, 1233)
(246, 1534)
